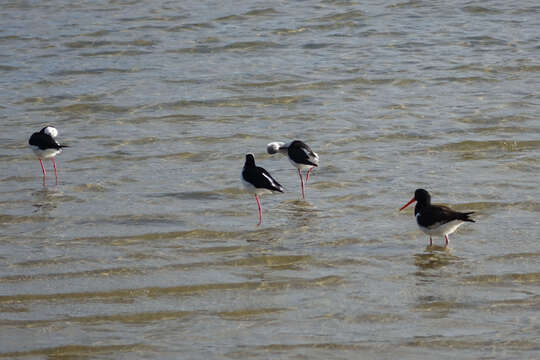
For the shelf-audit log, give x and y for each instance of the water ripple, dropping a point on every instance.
(183, 290)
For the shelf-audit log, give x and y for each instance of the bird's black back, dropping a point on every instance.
(259, 177)
(44, 141)
(433, 214)
(298, 155)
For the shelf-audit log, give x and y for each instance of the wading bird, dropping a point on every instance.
(45, 146)
(258, 181)
(300, 155)
(436, 219)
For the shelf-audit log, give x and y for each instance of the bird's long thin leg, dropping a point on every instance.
(260, 210)
(301, 182)
(308, 173)
(446, 240)
(430, 241)
(44, 173)
(55, 173)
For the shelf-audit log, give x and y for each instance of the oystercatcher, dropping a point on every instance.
(436, 219)
(300, 155)
(45, 146)
(258, 181)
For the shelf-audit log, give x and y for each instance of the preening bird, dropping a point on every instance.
(300, 155)
(45, 146)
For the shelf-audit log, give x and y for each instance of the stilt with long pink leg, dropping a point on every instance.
(260, 209)
(302, 183)
(44, 172)
(300, 155)
(45, 146)
(308, 173)
(55, 173)
(258, 181)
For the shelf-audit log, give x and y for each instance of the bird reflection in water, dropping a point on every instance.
(432, 267)
(46, 200)
(301, 213)
(432, 260)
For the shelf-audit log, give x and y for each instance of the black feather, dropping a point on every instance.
(259, 177)
(298, 155)
(44, 141)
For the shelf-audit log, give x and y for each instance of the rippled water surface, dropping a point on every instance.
(148, 247)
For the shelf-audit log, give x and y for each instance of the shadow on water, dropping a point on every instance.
(264, 235)
(430, 263)
(46, 200)
(433, 258)
(301, 213)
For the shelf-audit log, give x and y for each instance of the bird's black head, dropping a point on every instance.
(250, 161)
(422, 197)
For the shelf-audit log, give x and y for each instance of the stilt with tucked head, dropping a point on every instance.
(300, 156)
(45, 146)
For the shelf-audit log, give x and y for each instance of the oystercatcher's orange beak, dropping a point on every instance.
(407, 204)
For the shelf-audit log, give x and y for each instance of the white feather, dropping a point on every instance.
(252, 189)
(45, 154)
(439, 229)
(275, 147)
(300, 166)
(271, 180)
(49, 130)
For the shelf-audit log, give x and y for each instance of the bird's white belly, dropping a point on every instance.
(442, 229)
(45, 154)
(301, 167)
(252, 189)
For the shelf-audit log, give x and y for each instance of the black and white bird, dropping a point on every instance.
(300, 155)
(45, 146)
(436, 219)
(258, 181)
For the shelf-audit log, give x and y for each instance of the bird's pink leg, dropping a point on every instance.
(301, 182)
(55, 173)
(308, 173)
(446, 238)
(430, 241)
(44, 173)
(260, 210)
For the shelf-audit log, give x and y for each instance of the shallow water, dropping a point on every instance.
(148, 247)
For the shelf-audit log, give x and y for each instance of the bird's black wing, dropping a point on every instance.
(301, 153)
(44, 141)
(261, 179)
(440, 214)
